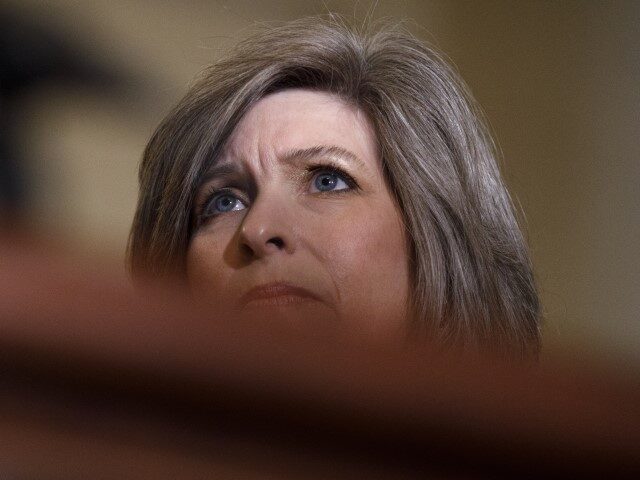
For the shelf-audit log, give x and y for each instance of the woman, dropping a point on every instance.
(320, 171)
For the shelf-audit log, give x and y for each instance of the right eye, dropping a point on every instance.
(221, 203)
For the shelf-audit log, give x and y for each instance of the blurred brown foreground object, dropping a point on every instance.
(99, 382)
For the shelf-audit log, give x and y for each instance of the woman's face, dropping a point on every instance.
(295, 219)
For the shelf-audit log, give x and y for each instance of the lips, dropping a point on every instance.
(277, 294)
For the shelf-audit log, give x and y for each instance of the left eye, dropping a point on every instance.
(328, 181)
(223, 202)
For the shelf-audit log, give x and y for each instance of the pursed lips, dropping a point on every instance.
(277, 294)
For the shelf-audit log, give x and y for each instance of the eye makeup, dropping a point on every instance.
(214, 191)
(332, 168)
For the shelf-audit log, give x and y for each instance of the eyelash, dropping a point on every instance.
(330, 167)
(311, 171)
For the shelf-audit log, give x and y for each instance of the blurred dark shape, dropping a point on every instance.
(99, 381)
(33, 55)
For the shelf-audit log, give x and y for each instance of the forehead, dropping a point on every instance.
(298, 119)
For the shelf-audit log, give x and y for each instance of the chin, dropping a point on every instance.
(291, 312)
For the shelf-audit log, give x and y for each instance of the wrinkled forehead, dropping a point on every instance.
(299, 119)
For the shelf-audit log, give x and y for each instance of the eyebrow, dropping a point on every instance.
(229, 169)
(316, 151)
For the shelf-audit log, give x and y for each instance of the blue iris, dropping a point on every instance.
(225, 203)
(326, 181)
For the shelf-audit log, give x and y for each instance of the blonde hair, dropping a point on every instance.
(472, 276)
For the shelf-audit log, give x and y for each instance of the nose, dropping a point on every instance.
(267, 228)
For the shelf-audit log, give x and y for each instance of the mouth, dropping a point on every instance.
(276, 294)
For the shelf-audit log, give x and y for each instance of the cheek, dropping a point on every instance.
(370, 268)
(205, 265)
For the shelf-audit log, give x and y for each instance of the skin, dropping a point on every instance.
(347, 245)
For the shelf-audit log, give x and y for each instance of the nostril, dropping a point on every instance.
(277, 241)
(258, 248)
